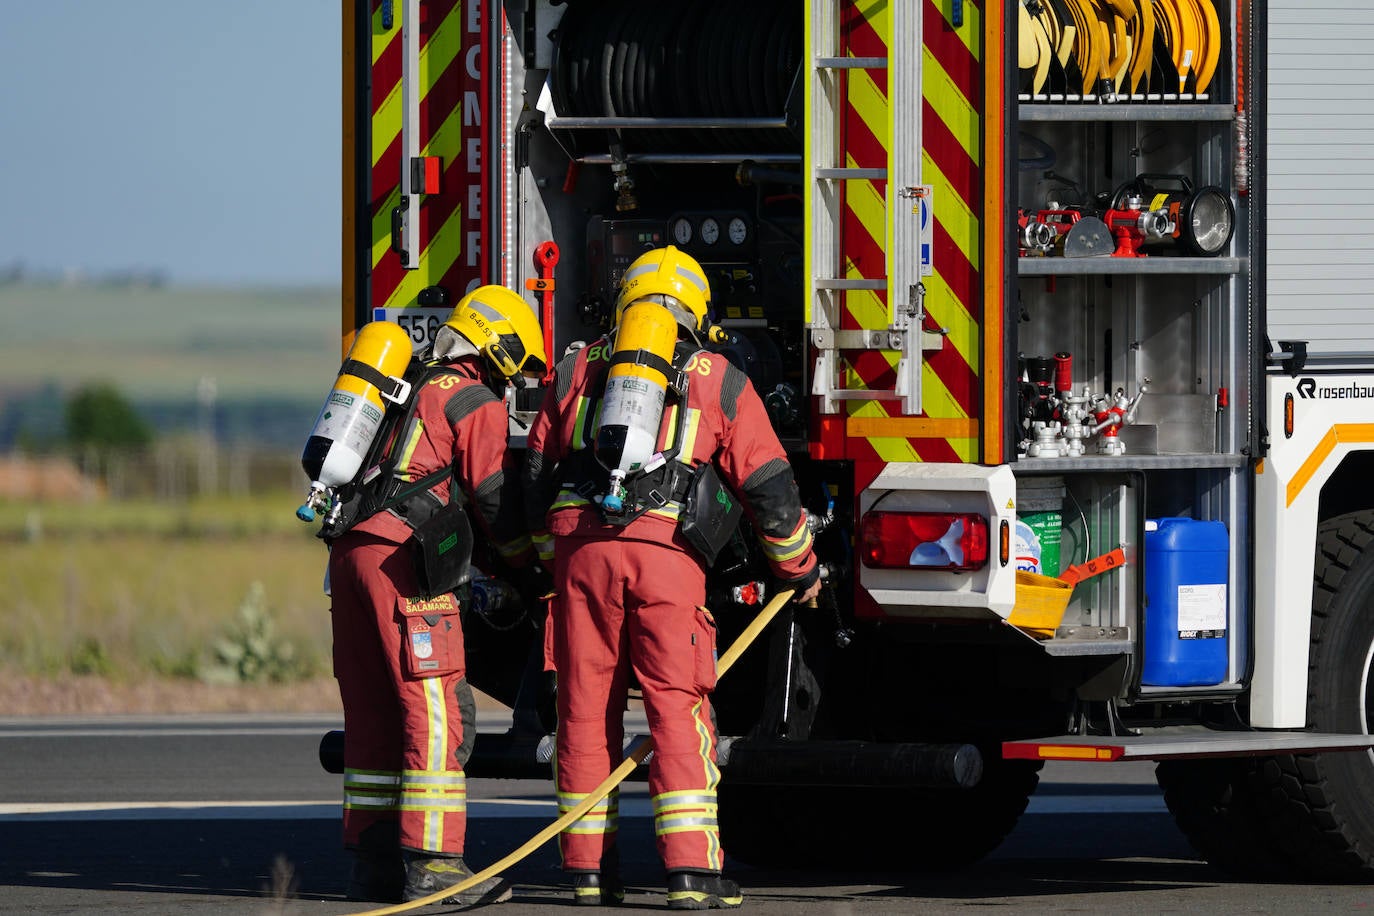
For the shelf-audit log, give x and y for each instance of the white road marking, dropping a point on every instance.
(484, 808)
(211, 732)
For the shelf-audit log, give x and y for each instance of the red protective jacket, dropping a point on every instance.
(399, 658)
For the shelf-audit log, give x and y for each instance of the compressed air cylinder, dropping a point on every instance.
(352, 413)
(636, 387)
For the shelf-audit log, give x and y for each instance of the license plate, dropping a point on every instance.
(419, 322)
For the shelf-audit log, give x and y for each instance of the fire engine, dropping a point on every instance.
(1058, 307)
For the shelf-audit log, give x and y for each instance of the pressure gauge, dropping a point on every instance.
(710, 231)
(682, 230)
(738, 231)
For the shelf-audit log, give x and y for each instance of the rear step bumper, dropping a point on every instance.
(1181, 742)
(744, 761)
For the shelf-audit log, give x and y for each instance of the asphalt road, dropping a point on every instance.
(235, 815)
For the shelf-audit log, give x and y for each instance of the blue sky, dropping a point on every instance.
(199, 138)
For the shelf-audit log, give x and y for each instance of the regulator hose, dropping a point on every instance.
(619, 775)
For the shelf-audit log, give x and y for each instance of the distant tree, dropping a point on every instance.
(101, 422)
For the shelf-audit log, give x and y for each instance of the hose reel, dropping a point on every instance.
(709, 60)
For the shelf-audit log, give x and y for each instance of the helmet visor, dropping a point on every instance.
(514, 346)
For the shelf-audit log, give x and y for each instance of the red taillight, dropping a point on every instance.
(924, 540)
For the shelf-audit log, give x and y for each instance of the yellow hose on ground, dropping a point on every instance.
(618, 775)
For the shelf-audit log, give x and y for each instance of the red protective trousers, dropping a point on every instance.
(400, 666)
(623, 605)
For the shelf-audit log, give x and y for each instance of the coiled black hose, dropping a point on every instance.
(707, 59)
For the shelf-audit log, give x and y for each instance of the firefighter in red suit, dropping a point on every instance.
(630, 596)
(409, 717)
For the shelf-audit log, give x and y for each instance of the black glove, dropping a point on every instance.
(534, 583)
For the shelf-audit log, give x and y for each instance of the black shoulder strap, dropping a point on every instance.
(390, 387)
(676, 380)
(375, 489)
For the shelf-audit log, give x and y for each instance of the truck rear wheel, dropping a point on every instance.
(875, 828)
(1215, 805)
(1324, 803)
(1307, 815)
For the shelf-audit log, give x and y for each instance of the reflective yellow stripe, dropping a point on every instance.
(672, 511)
(436, 756)
(372, 777)
(382, 38)
(584, 423)
(689, 435)
(543, 545)
(567, 500)
(782, 549)
(373, 790)
(913, 427)
(601, 818)
(515, 547)
(1340, 434)
(438, 52)
(669, 802)
(408, 451)
(443, 250)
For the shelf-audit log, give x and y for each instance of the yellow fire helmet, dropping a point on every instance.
(502, 326)
(673, 279)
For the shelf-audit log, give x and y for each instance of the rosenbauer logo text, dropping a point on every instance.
(1308, 388)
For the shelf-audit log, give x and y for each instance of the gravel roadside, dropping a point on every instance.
(24, 695)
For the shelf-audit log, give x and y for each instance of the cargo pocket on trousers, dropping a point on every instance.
(431, 636)
(704, 650)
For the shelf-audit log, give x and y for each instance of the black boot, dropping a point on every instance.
(592, 888)
(702, 890)
(600, 888)
(379, 872)
(427, 873)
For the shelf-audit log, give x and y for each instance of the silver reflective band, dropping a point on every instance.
(696, 281)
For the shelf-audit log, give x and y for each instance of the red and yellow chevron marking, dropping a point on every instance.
(451, 37)
(951, 161)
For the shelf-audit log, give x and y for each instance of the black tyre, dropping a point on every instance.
(1308, 816)
(1216, 806)
(1323, 804)
(876, 828)
(759, 825)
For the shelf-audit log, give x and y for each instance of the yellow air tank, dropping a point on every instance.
(347, 425)
(636, 387)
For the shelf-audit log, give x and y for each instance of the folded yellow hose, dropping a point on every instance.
(1208, 67)
(1142, 43)
(1043, 56)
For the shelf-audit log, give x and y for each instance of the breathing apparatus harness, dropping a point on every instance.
(662, 478)
(378, 488)
(709, 512)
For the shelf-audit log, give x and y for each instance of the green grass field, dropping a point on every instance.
(157, 344)
(130, 590)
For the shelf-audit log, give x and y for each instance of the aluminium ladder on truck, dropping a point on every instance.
(904, 200)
